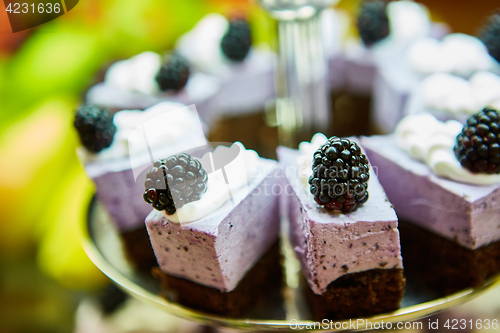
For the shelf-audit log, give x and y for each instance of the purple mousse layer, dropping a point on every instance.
(219, 249)
(330, 244)
(123, 198)
(415, 105)
(246, 89)
(466, 214)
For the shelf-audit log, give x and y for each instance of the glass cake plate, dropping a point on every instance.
(102, 244)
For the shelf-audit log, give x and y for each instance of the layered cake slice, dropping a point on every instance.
(223, 48)
(443, 178)
(115, 152)
(347, 242)
(148, 78)
(215, 229)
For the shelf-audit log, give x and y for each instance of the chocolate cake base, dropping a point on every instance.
(443, 265)
(359, 295)
(138, 249)
(351, 114)
(259, 285)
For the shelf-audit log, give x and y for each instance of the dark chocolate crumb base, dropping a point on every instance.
(443, 265)
(261, 283)
(359, 295)
(138, 249)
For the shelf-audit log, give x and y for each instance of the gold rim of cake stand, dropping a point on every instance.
(410, 313)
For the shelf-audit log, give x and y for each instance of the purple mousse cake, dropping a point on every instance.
(385, 31)
(216, 240)
(148, 78)
(115, 154)
(444, 179)
(348, 245)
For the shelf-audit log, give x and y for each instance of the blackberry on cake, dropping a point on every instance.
(236, 43)
(95, 127)
(448, 215)
(173, 182)
(339, 180)
(373, 22)
(490, 36)
(174, 73)
(478, 148)
(221, 254)
(111, 298)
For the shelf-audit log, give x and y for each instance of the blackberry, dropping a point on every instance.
(237, 41)
(490, 36)
(95, 127)
(173, 182)
(174, 73)
(478, 145)
(340, 175)
(372, 22)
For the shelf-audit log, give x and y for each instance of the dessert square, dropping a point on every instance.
(344, 256)
(215, 251)
(450, 229)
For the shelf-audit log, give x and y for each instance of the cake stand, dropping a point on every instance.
(102, 244)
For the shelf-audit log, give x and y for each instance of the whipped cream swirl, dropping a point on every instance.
(165, 125)
(456, 53)
(239, 172)
(456, 95)
(432, 141)
(306, 153)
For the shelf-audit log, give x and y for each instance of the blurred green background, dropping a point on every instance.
(44, 193)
